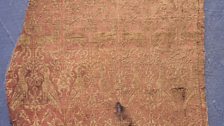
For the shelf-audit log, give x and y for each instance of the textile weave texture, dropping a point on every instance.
(76, 59)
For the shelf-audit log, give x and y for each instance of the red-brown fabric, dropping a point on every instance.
(109, 62)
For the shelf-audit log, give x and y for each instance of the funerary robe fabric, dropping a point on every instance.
(76, 59)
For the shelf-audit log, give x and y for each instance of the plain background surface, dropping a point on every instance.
(11, 21)
(12, 14)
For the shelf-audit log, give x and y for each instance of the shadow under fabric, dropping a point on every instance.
(76, 59)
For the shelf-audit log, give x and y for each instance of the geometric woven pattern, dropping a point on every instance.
(76, 59)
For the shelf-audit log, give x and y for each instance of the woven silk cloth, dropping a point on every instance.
(75, 59)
